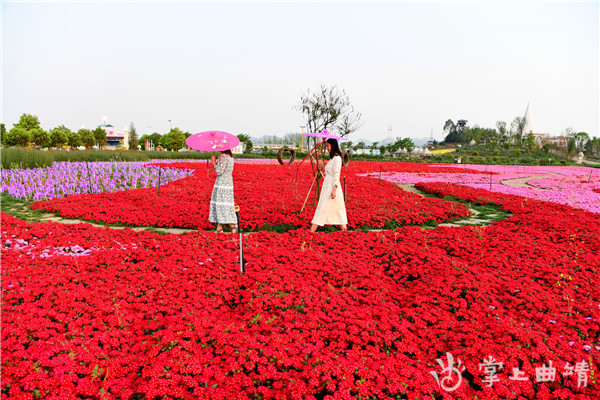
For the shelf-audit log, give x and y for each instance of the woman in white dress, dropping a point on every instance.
(331, 209)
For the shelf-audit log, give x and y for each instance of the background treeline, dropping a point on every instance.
(513, 137)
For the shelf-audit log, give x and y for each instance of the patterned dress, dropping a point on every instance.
(222, 203)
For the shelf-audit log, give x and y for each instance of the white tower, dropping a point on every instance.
(528, 125)
(126, 137)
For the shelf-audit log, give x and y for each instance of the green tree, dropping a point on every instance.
(155, 138)
(133, 137)
(455, 133)
(18, 136)
(87, 137)
(531, 145)
(593, 147)
(374, 146)
(99, 136)
(74, 139)
(581, 140)
(28, 122)
(174, 140)
(40, 137)
(245, 139)
(22, 131)
(405, 143)
(3, 136)
(59, 136)
(382, 150)
(571, 146)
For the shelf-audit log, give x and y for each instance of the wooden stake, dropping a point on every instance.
(309, 190)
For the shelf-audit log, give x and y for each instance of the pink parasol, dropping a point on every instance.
(212, 141)
(324, 135)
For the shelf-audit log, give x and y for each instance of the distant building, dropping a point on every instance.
(258, 148)
(529, 127)
(541, 138)
(239, 149)
(115, 139)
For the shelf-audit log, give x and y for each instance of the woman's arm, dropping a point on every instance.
(220, 166)
(337, 171)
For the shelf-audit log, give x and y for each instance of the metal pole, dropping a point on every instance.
(159, 172)
(345, 196)
(89, 177)
(242, 261)
(207, 168)
(380, 173)
(490, 180)
(296, 179)
(590, 178)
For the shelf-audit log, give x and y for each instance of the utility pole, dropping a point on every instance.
(390, 138)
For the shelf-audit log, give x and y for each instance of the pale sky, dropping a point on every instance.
(241, 66)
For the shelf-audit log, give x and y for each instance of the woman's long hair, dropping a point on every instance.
(335, 148)
(228, 152)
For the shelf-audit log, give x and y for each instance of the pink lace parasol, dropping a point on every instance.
(324, 135)
(212, 141)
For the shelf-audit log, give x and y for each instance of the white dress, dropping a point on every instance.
(331, 211)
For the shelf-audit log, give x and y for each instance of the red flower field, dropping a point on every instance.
(267, 196)
(100, 313)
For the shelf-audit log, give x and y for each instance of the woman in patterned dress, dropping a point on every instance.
(222, 205)
(331, 209)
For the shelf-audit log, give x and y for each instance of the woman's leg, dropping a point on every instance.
(219, 228)
(233, 228)
(314, 227)
(344, 228)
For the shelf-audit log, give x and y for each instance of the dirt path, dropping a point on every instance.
(472, 220)
(54, 218)
(522, 182)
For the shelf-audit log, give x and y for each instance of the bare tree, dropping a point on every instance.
(569, 132)
(348, 123)
(326, 107)
(516, 130)
(293, 139)
(502, 132)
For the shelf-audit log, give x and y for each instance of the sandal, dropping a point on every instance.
(219, 230)
(234, 230)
